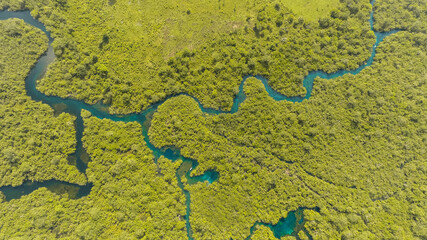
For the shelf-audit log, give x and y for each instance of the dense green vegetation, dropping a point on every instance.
(263, 233)
(142, 198)
(311, 10)
(34, 144)
(352, 157)
(131, 198)
(132, 55)
(355, 149)
(394, 14)
(280, 46)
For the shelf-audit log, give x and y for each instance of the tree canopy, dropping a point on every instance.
(349, 161)
(355, 149)
(34, 143)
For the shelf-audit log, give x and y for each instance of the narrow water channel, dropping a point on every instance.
(286, 226)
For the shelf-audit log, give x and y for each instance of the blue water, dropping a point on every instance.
(291, 225)
(285, 226)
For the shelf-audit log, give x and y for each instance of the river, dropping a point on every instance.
(285, 226)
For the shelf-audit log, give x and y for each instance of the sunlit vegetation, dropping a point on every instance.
(280, 46)
(142, 197)
(263, 233)
(351, 158)
(131, 54)
(131, 198)
(395, 14)
(355, 150)
(311, 10)
(34, 144)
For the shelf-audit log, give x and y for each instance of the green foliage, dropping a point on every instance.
(394, 14)
(131, 198)
(132, 54)
(263, 233)
(230, 206)
(143, 197)
(34, 144)
(311, 10)
(355, 149)
(270, 48)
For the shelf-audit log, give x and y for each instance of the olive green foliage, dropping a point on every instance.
(131, 198)
(132, 54)
(34, 144)
(311, 10)
(397, 14)
(280, 46)
(356, 150)
(263, 233)
(142, 196)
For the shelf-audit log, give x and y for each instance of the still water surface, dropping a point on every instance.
(286, 226)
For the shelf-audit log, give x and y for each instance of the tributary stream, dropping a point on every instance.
(285, 226)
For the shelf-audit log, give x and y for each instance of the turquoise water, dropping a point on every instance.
(291, 225)
(285, 226)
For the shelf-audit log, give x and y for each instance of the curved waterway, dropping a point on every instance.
(286, 226)
(291, 225)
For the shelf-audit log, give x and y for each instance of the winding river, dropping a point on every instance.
(286, 226)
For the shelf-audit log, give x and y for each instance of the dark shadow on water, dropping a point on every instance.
(74, 191)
